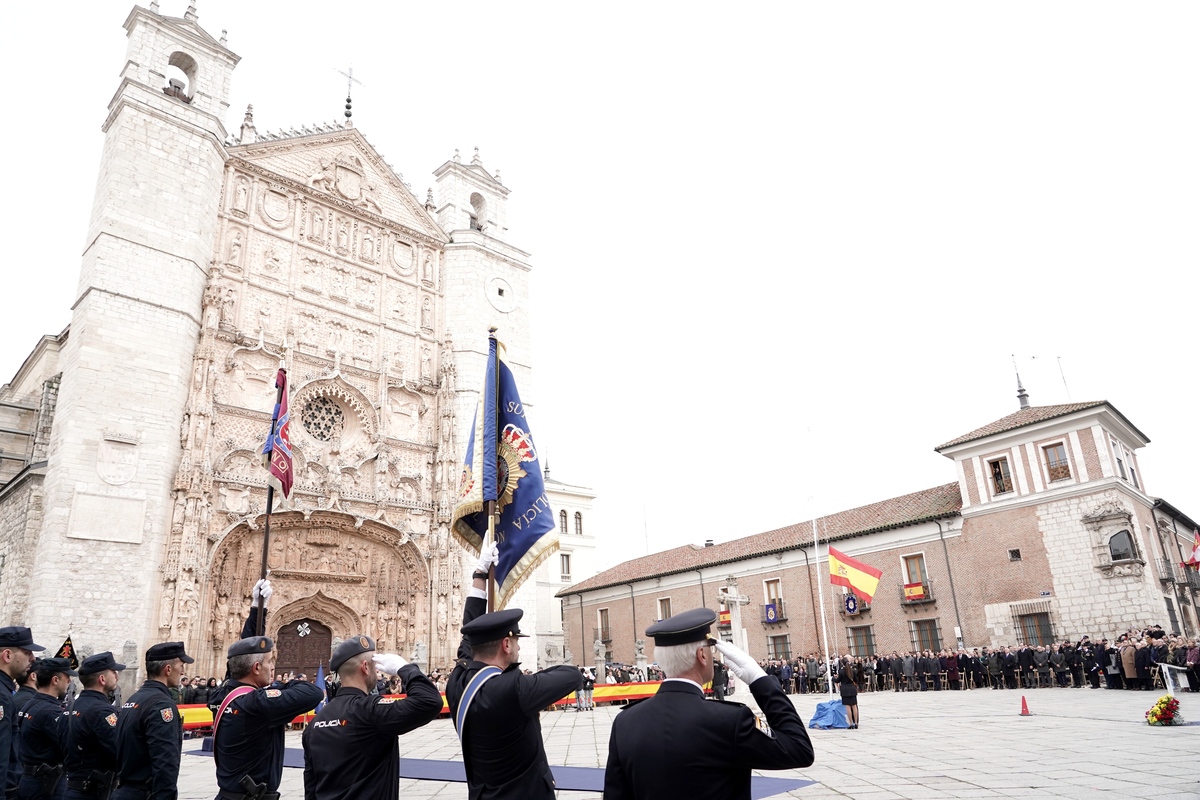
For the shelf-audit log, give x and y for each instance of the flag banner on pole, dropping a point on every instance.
(67, 651)
(277, 451)
(853, 574)
(321, 685)
(1194, 561)
(914, 591)
(502, 464)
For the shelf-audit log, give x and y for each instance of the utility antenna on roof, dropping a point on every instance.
(1022, 395)
(350, 81)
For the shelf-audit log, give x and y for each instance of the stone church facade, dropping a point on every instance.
(134, 513)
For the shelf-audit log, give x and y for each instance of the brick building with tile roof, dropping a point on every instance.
(1048, 533)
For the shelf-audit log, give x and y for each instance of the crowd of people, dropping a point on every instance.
(1134, 660)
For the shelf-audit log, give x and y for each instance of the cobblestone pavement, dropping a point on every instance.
(1078, 743)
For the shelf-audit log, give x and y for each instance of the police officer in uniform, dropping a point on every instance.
(26, 689)
(92, 731)
(351, 750)
(677, 745)
(500, 731)
(44, 732)
(16, 656)
(150, 729)
(250, 715)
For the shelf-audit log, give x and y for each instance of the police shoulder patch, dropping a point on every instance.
(111, 719)
(168, 714)
(387, 701)
(1, 712)
(273, 692)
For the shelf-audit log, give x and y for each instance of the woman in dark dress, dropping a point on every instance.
(848, 687)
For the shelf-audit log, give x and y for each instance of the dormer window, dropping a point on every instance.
(1001, 477)
(1057, 467)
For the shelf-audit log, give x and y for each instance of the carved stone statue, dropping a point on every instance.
(323, 179)
(427, 314)
(241, 199)
(597, 648)
(235, 248)
(228, 299)
(639, 647)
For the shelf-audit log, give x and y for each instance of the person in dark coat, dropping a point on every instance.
(675, 744)
(499, 725)
(16, 656)
(44, 732)
(720, 681)
(1008, 666)
(250, 713)
(150, 729)
(351, 748)
(92, 731)
(1025, 664)
(1142, 660)
(848, 691)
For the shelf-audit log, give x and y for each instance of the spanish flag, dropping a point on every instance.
(846, 571)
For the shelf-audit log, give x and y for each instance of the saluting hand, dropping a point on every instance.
(740, 663)
(389, 663)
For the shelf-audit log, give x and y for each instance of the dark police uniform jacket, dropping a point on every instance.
(10, 756)
(149, 740)
(91, 736)
(502, 743)
(43, 742)
(350, 748)
(249, 736)
(676, 744)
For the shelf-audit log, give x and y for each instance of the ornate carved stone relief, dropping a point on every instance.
(277, 207)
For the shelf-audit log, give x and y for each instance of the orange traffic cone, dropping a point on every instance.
(1025, 708)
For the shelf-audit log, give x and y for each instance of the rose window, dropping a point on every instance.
(323, 419)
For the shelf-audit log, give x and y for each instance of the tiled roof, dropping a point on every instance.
(1026, 416)
(909, 509)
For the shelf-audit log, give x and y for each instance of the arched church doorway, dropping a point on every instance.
(302, 646)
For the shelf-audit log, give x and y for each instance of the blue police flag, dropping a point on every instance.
(321, 686)
(501, 464)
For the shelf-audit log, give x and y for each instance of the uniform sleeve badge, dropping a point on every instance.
(273, 692)
(1, 712)
(168, 714)
(111, 719)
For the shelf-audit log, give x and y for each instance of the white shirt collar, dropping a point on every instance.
(686, 680)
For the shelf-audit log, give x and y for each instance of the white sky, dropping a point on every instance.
(781, 250)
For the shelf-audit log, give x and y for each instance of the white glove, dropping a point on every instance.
(740, 663)
(487, 557)
(389, 663)
(263, 588)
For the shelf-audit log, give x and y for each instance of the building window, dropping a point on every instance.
(779, 647)
(578, 523)
(1056, 462)
(562, 522)
(664, 607)
(1120, 546)
(914, 569)
(1133, 476)
(564, 560)
(603, 632)
(862, 640)
(1014, 554)
(1001, 477)
(771, 590)
(925, 635)
(1034, 630)
(478, 211)
(1117, 453)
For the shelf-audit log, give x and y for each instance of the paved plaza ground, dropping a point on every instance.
(1078, 743)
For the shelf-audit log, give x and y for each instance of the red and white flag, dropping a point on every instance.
(277, 451)
(1194, 561)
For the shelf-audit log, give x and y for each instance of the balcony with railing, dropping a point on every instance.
(603, 634)
(911, 596)
(1192, 578)
(774, 612)
(1168, 571)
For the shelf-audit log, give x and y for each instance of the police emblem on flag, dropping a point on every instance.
(851, 603)
(168, 714)
(111, 719)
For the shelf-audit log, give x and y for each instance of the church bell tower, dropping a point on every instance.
(126, 365)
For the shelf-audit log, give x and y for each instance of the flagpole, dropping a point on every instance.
(821, 594)
(489, 504)
(266, 548)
